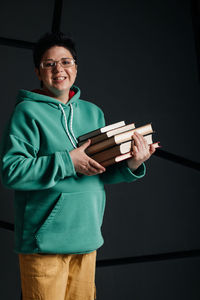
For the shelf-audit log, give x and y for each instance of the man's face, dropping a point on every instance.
(58, 80)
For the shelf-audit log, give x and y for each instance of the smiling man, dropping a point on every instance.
(57, 72)
(59, 190)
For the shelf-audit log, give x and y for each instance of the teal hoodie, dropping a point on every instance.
(56, 209)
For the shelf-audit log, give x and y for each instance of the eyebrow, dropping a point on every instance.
(54, 59)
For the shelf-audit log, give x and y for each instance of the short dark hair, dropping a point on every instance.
(49, 40)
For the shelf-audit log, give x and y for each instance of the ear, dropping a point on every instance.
(37, 71)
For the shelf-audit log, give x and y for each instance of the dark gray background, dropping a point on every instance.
(137, 60)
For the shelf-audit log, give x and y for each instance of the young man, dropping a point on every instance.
(59, 190)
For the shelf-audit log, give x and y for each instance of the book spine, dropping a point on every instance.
(88, 135)
(106, 154)
(95, 139)
(100, 146)
(108, 162)
(98, 138)
(117, 159)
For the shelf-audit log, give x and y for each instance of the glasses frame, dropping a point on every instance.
(57, 61)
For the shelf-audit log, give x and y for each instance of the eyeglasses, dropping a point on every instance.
(64, 62)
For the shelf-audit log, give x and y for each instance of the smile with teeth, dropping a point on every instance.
(60, 78)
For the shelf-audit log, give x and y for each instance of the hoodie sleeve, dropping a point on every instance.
(22, 169)
(121, 173)
(21, 165)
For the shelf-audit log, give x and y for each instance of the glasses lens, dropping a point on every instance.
(48, 64)
(67, 62)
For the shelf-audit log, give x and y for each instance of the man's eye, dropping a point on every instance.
(49, 64)
(65, 62)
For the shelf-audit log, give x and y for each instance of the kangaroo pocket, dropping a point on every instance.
(74, 224)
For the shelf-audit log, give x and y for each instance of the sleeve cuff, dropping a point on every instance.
(137, 174)
(67, 164)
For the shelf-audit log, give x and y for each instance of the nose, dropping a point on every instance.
(57, 66)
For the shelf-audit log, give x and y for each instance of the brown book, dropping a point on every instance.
(117, 150)
(121, 157)
(108, 134)
(118, 139)
(98, 131)
(116, 159)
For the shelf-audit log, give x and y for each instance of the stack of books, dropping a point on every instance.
(113, 143)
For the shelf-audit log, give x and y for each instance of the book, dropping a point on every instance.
(100, 130)
(117, 150)
(116, 159)
(108, 134)
(118, 139)
(122, 157)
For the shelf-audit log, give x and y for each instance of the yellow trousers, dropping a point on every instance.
(58, 276)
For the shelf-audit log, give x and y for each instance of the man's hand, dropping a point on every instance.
(83, 163)
(141, 151)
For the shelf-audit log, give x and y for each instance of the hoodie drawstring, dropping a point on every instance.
(66, 126)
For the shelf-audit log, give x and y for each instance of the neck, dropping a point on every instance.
(62, 96)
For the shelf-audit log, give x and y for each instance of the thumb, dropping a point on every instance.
(85, 145)
(152, 149)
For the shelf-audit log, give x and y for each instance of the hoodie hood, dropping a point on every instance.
(39, 96)
(25, 95)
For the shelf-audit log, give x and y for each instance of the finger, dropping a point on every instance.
(93, 171)
(134, 150)
(152, 149)
(132, 142)
(88, 170)
(137, 142)
(142, 141)
(85, 145)
(88, 173)
(96, 165)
